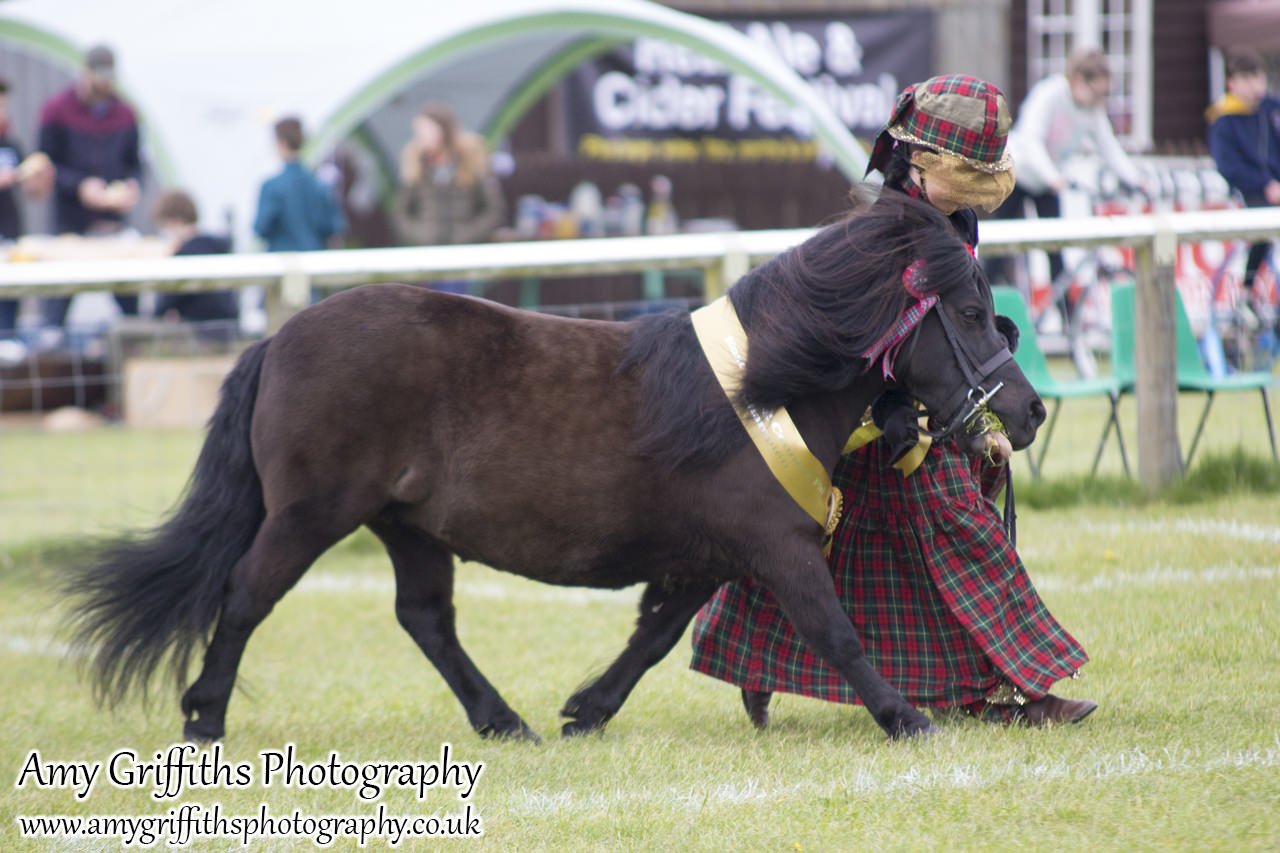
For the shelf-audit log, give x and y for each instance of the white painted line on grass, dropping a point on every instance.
(1158, 576)
(321, 582)
(1229, 529)
(1129, 763)
(386, 585)
(44, 647)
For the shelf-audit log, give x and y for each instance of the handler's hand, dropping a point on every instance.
(894, 412)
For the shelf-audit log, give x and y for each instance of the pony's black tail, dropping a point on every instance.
(146, 596)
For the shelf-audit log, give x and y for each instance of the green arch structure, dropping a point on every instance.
(65, 54)
(608, 31)
(539, 82)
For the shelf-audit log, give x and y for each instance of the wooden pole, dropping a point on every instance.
(1155, 360)
(734, 265)
(289, 297)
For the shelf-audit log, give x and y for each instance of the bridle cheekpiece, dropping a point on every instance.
(967, 402)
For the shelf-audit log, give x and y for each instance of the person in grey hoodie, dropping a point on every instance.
(1063, 115)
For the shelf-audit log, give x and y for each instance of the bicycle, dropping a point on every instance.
(1243, 321)
(1078, 296)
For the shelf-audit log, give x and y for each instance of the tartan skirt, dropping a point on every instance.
(928, 577)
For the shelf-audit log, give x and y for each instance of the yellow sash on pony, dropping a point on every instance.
(774, 434)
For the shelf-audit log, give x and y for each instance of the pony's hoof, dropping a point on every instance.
(195, 732)
(577, 728)
(913, 725)
(756, 703)
(584, 716)
(522, 732)
(913, 733)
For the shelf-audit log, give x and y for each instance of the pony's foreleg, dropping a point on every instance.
(424, 606)
(808, 597)
(285, 547)
(664, 614)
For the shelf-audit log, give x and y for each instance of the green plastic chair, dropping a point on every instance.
(1029, 357)
(1192, 375)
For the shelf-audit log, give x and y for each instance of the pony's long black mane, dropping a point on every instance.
(810, 314)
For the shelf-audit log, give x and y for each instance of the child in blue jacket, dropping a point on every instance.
(1244, 139)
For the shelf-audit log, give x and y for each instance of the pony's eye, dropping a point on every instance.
(973, 315)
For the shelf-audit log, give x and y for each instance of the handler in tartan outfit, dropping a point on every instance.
(921, 561)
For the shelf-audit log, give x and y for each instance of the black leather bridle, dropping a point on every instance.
(965, 404)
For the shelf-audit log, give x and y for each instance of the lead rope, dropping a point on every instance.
(1010, 514)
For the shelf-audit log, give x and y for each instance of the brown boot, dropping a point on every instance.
(757, 704)
(1054, 710)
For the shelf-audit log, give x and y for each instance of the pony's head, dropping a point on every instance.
(892, 289)
(952, 351)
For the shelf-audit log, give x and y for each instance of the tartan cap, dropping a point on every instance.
(950, 114)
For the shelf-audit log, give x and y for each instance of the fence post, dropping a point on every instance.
(288, 297)
(733, 265)
(1155, 359)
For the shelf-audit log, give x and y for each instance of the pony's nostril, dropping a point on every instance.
(1038, 412)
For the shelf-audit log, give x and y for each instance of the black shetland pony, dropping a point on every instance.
(569, 451)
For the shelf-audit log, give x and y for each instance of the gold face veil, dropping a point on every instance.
(947, 178)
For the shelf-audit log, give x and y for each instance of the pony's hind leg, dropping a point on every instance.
(424, 606)
(664, 614)
(284, 548)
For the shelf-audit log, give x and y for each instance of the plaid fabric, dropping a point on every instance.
(943, 605)
(951, 114)
(975, 132)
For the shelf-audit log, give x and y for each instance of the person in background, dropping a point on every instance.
(921, 562)
(448, 191)
(296, 212)
(1062, 116)
(174, 213)
(1244, 139)
(10, 215)
(91, 135)
(34, 175)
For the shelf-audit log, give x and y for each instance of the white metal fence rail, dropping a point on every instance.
(287, 278)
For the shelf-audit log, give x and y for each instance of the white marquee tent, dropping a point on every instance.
(208, 78)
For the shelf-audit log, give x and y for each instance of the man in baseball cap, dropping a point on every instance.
(100, 60)
(91, 136)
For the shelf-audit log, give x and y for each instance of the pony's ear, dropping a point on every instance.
(1009, 329)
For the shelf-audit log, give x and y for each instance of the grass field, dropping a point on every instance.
(1177, 599)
